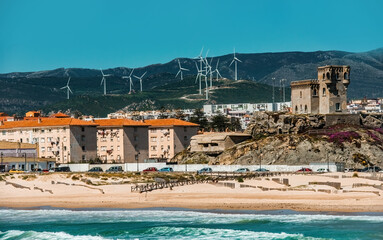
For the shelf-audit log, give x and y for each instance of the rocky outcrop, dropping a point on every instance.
(186, 157)
(372, 120)
(271, 123)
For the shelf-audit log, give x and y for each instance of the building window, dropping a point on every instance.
(328, 75)
(345, 75)
(82, 137)
(296, 108)
(103, 148)
(64, 148)
(4, 132)
(136, 138)
(153, 139)
(314, 92)
(49, 149)
(153, 148)
(185, 138)
(337, 106)
(83, 148)
(118, 148)
(83, 157)
(118, 138)
(103, 139)
(300, 94)
(82, 129)
(135, 129)
(324, 92)
(153, 130)
(162, 138)
(168, 138)
(42, 140)
(162, 147)
(42, 149)
(323, 76)
(49, 139)
(185, 129)
(64, 139)
(301, 109)
(305, 108)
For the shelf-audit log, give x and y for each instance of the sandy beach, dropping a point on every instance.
(304, 193)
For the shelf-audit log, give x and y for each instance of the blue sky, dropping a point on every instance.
(47, 34)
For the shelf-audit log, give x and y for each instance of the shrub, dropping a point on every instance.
(355, 175)
(75, 178)
(1, 178)
(340, 137)
(104, 178)
(240, 179)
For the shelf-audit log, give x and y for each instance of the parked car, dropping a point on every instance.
(150, 169)
(166, 169)
(372, 169)
(243, 170)
(45, 170)
(16, 171)
(261, 170)
(205, 170)
(305, 170)
(115, 169)
(62, 169)
(37, 170)
(95, 169)
(322, 170)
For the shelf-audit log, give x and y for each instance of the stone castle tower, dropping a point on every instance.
(327, 94)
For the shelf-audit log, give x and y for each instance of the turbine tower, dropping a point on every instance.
(130, 80)
(235, 60)
(67, 89)
(103, 80)
(140, 78)
(181, 69)
(199, 70)
(199, 75)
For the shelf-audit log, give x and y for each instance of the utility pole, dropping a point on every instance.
(273, 94)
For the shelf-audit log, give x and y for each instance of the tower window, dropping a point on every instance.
(324, 92)
(345, 75)
(337, 106)
(324, 76)
(301, 109)
(296, 109)
(314, 92)
(305, 108)
(301, 94)
(328, 75)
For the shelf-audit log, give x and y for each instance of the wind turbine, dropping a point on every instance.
(199, 75)
(209, 71)
(140, 78)
(104, 80)
(217, 71)
(235, 60)
(181, 69)
(67, 89)
(130, 80)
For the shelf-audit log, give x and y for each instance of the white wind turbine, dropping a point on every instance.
(217, 71)
(140, 78)
(199, 75)
(67, 89)
(103, 80)
(235, 60)
(130, 80)
(209, 71)
(181, 69)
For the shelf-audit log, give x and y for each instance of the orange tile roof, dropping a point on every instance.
(119, 122)
(170, 122)
(59, 115)
(46, 122)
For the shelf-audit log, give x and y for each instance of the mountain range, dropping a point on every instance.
(23, 91)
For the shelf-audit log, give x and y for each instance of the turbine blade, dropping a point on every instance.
(131, 72)
(136, 76)
(231, 62)
(68, 81)
(70, 90)
(200, 54)
(102, 72)
(143, 74)
(178, 73)
(63, 87)
(179, 64)
(216, 67)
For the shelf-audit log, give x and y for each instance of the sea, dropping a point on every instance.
(97, 224)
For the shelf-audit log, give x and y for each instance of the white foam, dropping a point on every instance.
(69, 216)
(32, 235)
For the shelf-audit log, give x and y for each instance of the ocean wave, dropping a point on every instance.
(132, 216)
(208, 233)
(32, 235)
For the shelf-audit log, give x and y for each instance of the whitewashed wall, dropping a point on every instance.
(132, 167)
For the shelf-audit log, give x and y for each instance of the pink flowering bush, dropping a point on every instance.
(340, 137)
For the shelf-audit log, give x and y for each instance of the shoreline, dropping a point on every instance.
(213, 210)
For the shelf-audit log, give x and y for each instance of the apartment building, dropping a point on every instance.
(63, 139)
(122, 140)
(168, 137)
